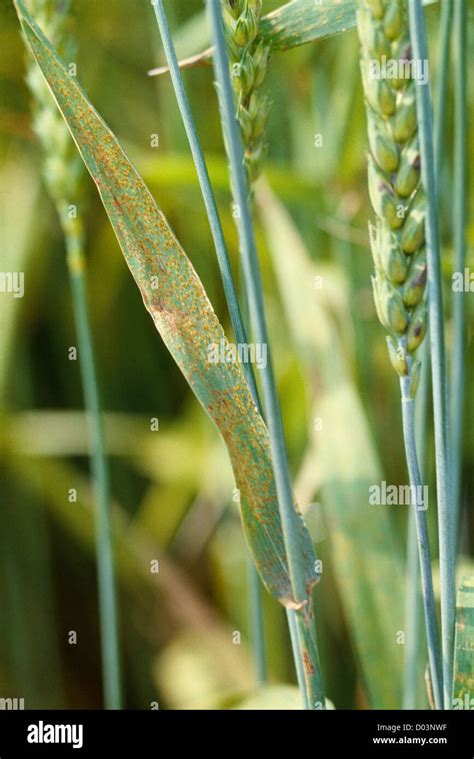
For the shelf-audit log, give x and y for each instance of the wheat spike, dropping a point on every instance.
(249, 62)
(397, 239)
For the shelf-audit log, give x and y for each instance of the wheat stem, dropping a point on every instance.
(205, 185)
(257, 626)
(459, 234)
(415, 643)
(298, 659)
(438, 356)
(398, 249)
(442, 89)
(62, 170)
(251, 269)
(256, 610)
(422, 540)
(73, 236)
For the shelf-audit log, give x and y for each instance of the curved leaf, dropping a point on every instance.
(302, 21)
(296, 23)
(174, 296)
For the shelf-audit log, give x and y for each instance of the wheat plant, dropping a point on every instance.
(398, 238)
(63, 174)
(361, 598)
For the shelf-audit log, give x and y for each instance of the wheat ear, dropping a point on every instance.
(398, 238)
(249, 62)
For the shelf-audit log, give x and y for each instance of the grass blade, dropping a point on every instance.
(257, 626)
(296, 23)
(441, 94)
(438, 354)
(293, 24)
(99, 465)
(289, 518)
(173, 294)
(423, 543)
(459, 234)
(416, 643)
(62, 169)
(303, 21)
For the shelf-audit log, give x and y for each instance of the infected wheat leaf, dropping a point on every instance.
(175, 298)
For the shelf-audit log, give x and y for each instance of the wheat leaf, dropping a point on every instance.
(296, 23)
(303, 21)
(175, 298)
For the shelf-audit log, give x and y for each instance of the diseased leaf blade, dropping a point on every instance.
(303, 21)
(296, 23)
(175, 298)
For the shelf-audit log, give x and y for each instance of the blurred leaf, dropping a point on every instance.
(18, 190)
(229, 565)
(187, 454)
(179, 601)
(463, 684)
(192, 33)
(173, 294)
(368, 561)
(275, 697)
(178, 171)
(32, 661)
(190, 676)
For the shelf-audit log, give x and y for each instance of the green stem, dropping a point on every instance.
(415, 644)
(258, 635)
(459, 235)
(413, 597)
(416, 484)
(204, 181)
(441, 95)
(105, 567)
(256, 622)
(253, 285)
(295, 646)
(415, 640)
(438, 356)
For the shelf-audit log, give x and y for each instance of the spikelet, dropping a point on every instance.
(397, 239)
(249, 62)
(62, 166)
